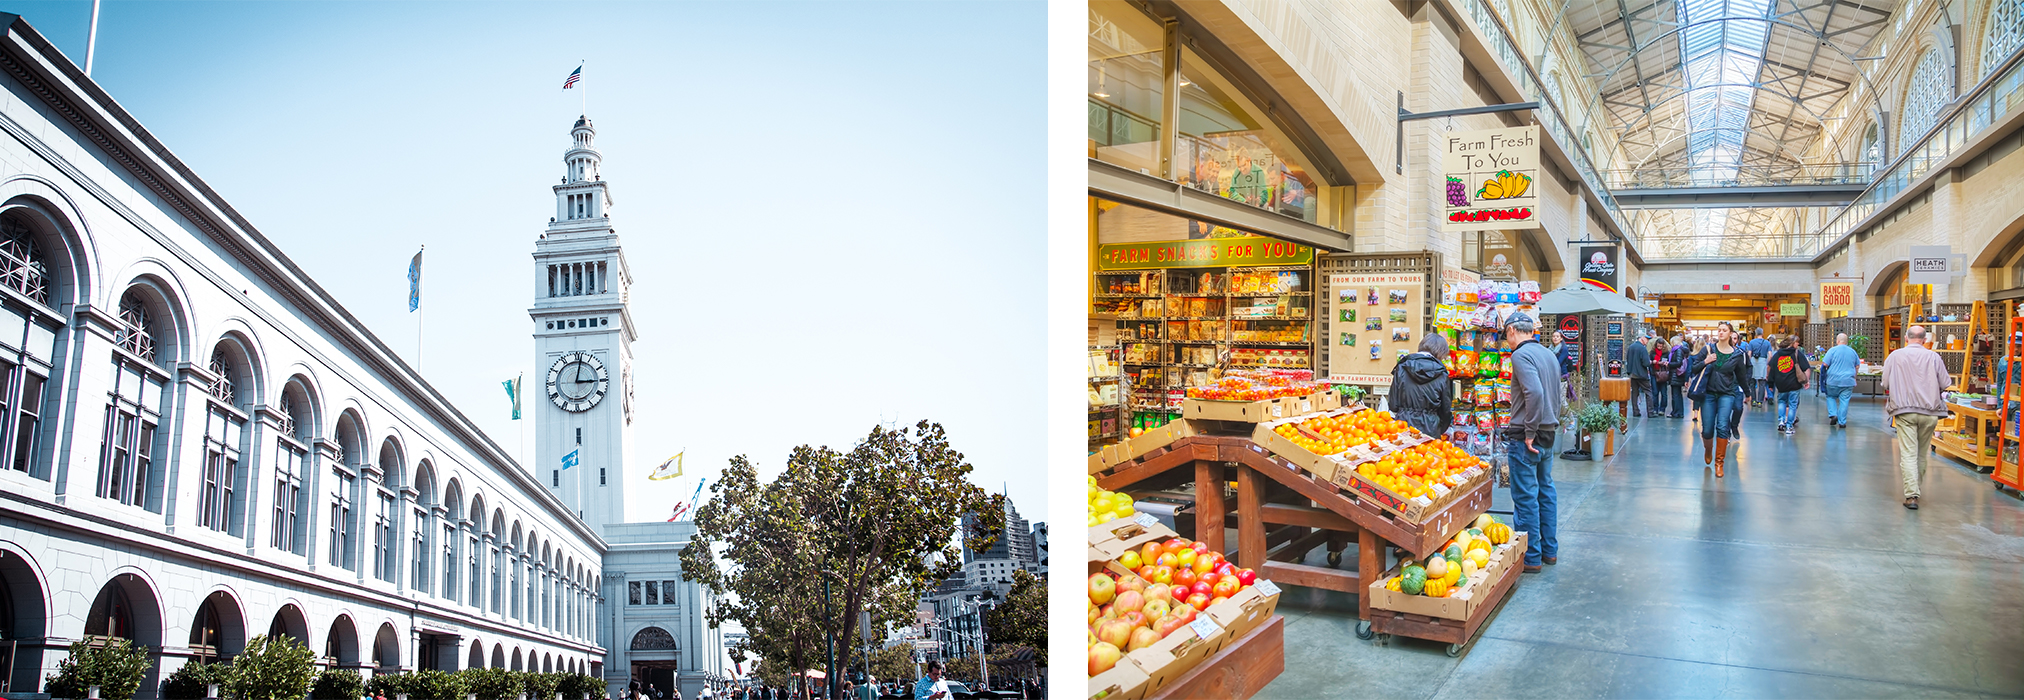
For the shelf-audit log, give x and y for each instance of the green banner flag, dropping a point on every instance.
(513, 394)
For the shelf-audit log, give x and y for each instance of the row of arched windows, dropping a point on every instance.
(1930, 87)
(363, 512)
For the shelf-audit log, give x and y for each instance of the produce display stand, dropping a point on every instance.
(1457, 633)
(1982, 425)
(1240, 670)
(1283, 513)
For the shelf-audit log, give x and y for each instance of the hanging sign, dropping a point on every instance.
(1598, 266)
(1208, 252)
(1489, 178)
(1929, 264)
(1792, 309)
(1837, 296)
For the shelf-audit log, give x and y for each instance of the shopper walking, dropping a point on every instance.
(1749, 387)
(1760, 362)
(1695, 380)
(1837, 379)
(1916, 380)
(1536, 401)
(1637, 364)
(1727, 373)
(1420, 391)
(1789, 374)
(1676, 363)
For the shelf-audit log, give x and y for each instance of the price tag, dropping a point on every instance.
(1205, 627)
(1278, 411)
(1266, 587)
(1423, 501)
(1307, 407)
(1440, 490)
(1145, 520)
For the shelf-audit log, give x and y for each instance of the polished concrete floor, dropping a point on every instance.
(1799, 575)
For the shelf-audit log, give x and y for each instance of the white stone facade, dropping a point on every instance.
(146, 466)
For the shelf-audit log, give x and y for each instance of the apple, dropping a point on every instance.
(1095, 613)
(1167, 559)
(1145, 572)
(1247, 577)
(1160, 591)
(1202, 588)
(1156, 609)
(1200, 548)
(1131, 560)
(1185, 613)
(1185, 577)
(1167, 625)
(1107, 613)
(1141, 638)
(1132, 582)
(1136, 618)
(1203, 565)
(1226, 568)
(1224, 588)
(1114, 632)
(1129, 601)
(1176, 544)
(1215, 600)
(1210, 578)
(1101, 589)
(1195, 600)
(1185, 557)
(1163, 574)
(1092, 638)
(1150, 552)
(1103, 656)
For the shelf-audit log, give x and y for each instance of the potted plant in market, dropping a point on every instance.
(1595, 420)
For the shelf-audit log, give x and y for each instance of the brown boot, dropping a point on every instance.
(1721, 455)
(1707, 450)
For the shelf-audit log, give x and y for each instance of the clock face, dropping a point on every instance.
(578, 381)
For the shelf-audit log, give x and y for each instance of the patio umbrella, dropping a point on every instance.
(1583, 300)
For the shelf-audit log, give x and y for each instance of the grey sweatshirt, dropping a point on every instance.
(1536, 396)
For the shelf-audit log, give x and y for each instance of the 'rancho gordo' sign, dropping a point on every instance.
(1489, 177)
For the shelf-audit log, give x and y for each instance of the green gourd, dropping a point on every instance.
(1414, 581)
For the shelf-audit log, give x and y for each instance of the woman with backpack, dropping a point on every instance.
(1421, 392)
(1788, 373)
(1725, 372)
(1690, 381)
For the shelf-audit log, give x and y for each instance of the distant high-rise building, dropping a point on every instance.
(1015, 544)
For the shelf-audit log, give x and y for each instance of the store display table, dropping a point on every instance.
(1457, 633)
(1981, 426)
(1240, 670)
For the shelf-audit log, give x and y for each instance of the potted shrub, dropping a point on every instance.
(491, 683)
(338, 684)
(115, 666)
(1595, 420)
(577, 686)
(272, 668)
(193, 681)
(436, 685)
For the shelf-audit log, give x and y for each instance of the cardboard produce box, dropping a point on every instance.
(1505, 560)
(1134, 448)
(1125, 681)
(1260, 411)
(1247, 610)
(1111, 540)
(1178, 653)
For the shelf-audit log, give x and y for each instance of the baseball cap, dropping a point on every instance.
(1518, 317)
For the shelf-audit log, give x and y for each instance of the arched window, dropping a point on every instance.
(224, 431)
(386, 536)
(221, 368)
(513, 554)
(1928, 92)
(498, 559)
(343, 475)
(111, 616)
(474, 551)
(418, 542)
(1872, 145)
(2004, 35)
(207, 632)
(297, 425)
(453, 498)
(134, 406)
(22, 267)
(26, 366)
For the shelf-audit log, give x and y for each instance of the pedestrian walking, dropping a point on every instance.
(1760, 362)
(931, 686)
(1837, 379)
(1536, 401)
(1420, 390)
(1916, 380)
(1676, 360)
(1637, 364)
(1662, 376)
(1726, 374)
(1695, 376)
(1789, 374)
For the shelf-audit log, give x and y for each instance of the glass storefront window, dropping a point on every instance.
(1126, 79)
(1227, 148)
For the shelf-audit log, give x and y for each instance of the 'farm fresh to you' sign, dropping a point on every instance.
(1488, 179)
(1211, 252)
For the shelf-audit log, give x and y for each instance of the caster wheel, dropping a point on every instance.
(1454, 650)
(1363, 630)
(1335, 559)
(1384, 640)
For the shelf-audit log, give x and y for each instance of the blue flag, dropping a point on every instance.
(415, 283)
(513, 394)
(569, 460)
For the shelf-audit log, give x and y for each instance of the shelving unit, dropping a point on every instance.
(1974, 429)
(2008, 472)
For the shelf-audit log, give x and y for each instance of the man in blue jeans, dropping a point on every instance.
(1837, 379)
(1536, 400)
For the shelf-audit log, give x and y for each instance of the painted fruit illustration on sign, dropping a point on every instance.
(1458, 193)
(1505, 185)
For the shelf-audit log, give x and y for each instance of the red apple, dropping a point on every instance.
(1141, 638)
(1166, 625)
(1247, 577)
(1114, 632)
(1108, 612)
(1200, 548)
(1160, 591)
(1167, 559)
(1131, 560)
(1132, 582)
(1129, 601)
(1176, 544)
(1101, 589)
(1226, 568)
(1136, 618)
(1202, 588)
(1156, 609)
(1145, 572)
(1214, 601)
(1210, 578)
(1224, 588)
(1163, 574)
(1185, 613)
(1150, 552)
(1195, 600)
(1103, 656)
(1203, 564)
(1185, 578)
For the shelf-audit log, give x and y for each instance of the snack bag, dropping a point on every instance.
(1504, 369)
(1486, 292)
(1448, 293)
(1503, 394)
(1507, 292)
(1528, 292)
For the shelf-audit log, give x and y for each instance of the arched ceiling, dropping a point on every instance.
(1709, 92)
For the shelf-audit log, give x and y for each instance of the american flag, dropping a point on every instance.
(574, 76)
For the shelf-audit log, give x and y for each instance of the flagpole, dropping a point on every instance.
(421, 312)
(583, 99)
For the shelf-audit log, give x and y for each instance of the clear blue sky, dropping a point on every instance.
(831, 209)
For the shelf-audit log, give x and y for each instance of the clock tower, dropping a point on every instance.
(581, 391)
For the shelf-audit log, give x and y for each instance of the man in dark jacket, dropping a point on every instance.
(1536, 400)
(1420, 391)
(1677, 359)
(1637, 364)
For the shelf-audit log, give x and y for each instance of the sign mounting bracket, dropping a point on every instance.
(1399, 164)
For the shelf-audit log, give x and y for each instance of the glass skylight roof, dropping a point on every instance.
(1723, 49)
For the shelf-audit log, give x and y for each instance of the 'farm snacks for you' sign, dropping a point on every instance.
(1489, 179)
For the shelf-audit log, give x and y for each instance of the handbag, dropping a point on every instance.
(1697, 383)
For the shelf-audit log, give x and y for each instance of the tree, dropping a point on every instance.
(1022, 618)
(193, 681)
(272, 668)
(338, 684)
(894, 663)
(115, 666)
(491, 683)
(877, 524)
